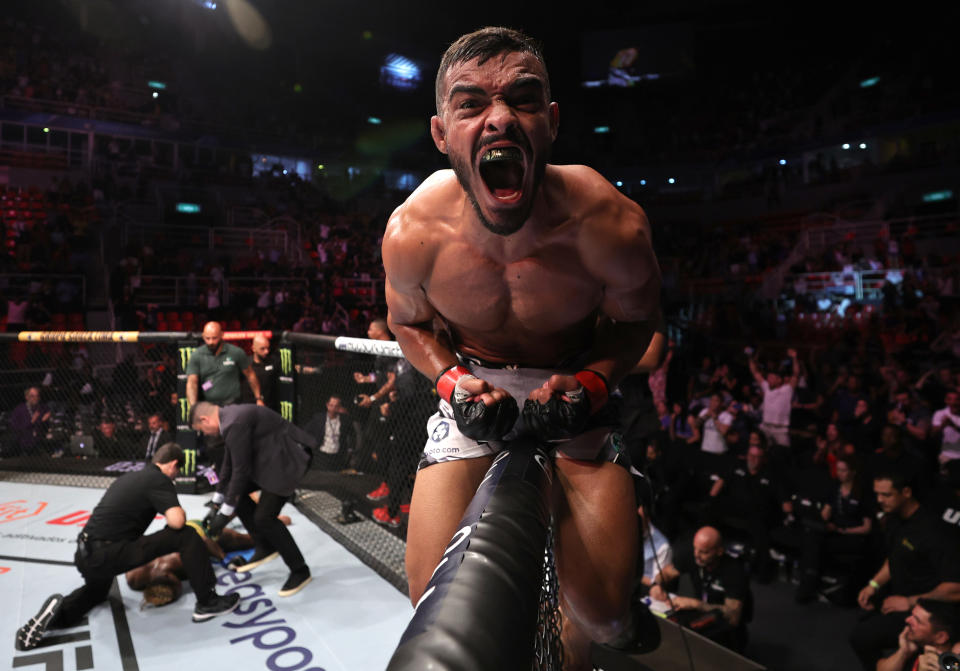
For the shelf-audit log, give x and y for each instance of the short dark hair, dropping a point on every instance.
(201, 409)
(484, 44)
(944, 616)
(168, 452)
(899, 478)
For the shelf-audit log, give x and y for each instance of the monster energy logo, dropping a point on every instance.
(286, 410)
(184, 409)
(189, 462)
(185, 353)
(286, 360)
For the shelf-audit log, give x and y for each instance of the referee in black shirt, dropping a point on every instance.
(112, 542)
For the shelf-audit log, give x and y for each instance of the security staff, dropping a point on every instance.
(921, 562)
(267, 369)
(262, 452)
(112, 542)
(216, 369)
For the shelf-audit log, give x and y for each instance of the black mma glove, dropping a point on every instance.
(565, 416)
(213, 505)
(216, 525)
(475, 419)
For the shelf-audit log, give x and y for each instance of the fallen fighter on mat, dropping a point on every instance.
(161, 579)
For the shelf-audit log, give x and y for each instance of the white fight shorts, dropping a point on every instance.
(600, 440)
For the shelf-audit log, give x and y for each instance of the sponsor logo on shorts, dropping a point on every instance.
(441, 431)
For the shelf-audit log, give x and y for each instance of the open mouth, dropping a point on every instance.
(501, 169)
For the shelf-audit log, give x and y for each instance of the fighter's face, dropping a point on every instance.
(497, 126)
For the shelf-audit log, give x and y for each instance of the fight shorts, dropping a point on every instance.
(599, 441)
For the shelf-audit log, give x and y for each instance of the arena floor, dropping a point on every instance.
(348, 619)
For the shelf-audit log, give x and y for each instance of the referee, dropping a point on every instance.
(112, 542)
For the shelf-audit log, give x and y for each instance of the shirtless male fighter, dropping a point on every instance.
(527, 291)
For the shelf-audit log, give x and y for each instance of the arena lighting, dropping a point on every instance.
(845, 145)
(319, 166)
(671, 180)
(156, 95)
(46, 130)
(188, 208)
(601, 129)
(932, 197)
(400, 72)
(783, 161)
(643, 182)
(156, 85)
(866, 83)
(619, 183)
(863, 145)
(374, 121)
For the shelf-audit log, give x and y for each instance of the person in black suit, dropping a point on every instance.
(262, 451)
(336, 436)
(156, 436)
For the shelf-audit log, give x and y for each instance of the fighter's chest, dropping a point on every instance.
(543, 291)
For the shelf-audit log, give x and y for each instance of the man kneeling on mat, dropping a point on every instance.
(112, 542)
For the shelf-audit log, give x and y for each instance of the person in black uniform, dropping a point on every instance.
(262, 451)
(921, 562)
(112, 542)
(267, 369)
(375, 432)
(721, 587)
(846, 520)
(751, 499)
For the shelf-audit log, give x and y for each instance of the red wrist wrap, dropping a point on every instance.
(596, 386)
(447, 381)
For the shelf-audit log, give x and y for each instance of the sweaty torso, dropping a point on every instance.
(530, 298)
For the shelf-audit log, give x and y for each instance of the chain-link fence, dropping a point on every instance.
(77, 408)
(80, 404)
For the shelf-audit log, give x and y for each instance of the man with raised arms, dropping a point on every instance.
(526, 290)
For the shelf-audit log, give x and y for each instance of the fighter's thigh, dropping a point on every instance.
(441, 493)
(596, 543)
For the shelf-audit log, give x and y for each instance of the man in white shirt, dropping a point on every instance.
(657, 553)
(946, 425)
(335, 435)
(777, 400)
(715, 422)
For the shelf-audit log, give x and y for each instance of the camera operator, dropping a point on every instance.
(931, 630)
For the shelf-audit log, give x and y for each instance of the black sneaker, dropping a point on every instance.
(218, 605)
(29, 635)
(296, 582)
(240, 565)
